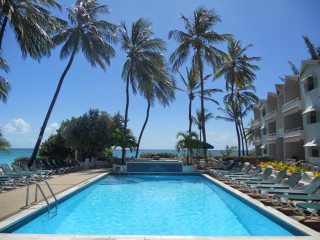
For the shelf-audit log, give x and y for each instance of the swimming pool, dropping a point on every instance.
(157, 205)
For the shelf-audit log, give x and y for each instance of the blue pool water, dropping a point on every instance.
(155, 205)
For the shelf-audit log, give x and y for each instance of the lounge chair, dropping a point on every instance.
(285, 200)
(241, 173)
(26, 168)
(290, 183)
(313, 208)
(7, 170)
(254, 173)
(47, 166)
(226, 165)
(19, 170)
(309, 189)
(232, 168)
(266, 173)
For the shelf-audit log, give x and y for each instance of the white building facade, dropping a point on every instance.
(287, 124)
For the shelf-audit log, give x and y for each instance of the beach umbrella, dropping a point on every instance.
(207, 146)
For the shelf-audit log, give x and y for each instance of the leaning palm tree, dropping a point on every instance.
(192, 88)
(198, 121)
(4, 83)
(4, 144)
(32, 24)
(199, 37)
(88, 34)
(250, 132)
(244, 99)
(144, 55)
(161, 89)
(231, 114)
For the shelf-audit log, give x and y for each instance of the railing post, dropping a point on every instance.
(27, 197)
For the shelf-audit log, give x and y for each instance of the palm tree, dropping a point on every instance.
(192, 88)
(245, 100)
(231, 115)
(4, 144)
(250, 132)
(88, 34)
(32, 24)
(4, 83)
(198, 121)
(237, 69)
(144, 56)
(199, 37)
(123, 139)
(189, 141)
(161, 89)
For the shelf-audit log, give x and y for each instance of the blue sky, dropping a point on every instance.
(274, 27)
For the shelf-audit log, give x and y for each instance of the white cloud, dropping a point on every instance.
(17, 126)
(52, 128)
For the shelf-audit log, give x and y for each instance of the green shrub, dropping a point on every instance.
(161, 155)
(26, 159)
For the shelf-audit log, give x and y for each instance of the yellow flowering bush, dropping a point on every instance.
(280, 166)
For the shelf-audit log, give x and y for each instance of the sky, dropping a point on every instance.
(274, 27)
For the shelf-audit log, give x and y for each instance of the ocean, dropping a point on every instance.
(26, 152)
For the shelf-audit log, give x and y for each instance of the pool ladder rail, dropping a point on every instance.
(38, 186)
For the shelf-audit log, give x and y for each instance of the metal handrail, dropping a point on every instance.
(44, 196)
(287, 103)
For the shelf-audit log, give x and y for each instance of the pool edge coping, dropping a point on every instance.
(268, 209)
(314, 235)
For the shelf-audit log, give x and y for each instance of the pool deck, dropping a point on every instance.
(12, 203)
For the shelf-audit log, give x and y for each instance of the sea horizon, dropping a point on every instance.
(25, 152)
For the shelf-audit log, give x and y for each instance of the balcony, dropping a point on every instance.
(256, 124)
(292, 107)
(257, 141)
(270, 117)
(293, 135)
(271, 138)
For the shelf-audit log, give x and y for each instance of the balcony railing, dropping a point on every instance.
(293, 134)
(292, 107)
(272, 137)
(271, 116)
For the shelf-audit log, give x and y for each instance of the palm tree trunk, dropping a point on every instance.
(200, 133)
(126, 115)
(238, 136)
(202, 107)
(3, 27)
(242, 136)
(245, 137)
(143, 127)
(190, 118)
(36, 148)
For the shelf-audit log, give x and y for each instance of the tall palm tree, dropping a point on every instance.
(237, 69)
(231, 115)
(88, 34)
(192, 88)
(144, 55)
(32, 24)
(4, 144)
(245, 100)
(4, 83)
(199, 37)
(161, 89)
(198, 121)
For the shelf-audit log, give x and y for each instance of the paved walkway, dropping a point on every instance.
(12, 201)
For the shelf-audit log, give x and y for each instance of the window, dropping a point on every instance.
(314, 152)
(310, 84)
(263, 112)
(313, 117)
(265, 150)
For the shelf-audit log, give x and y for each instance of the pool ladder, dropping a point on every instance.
(38, 186)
